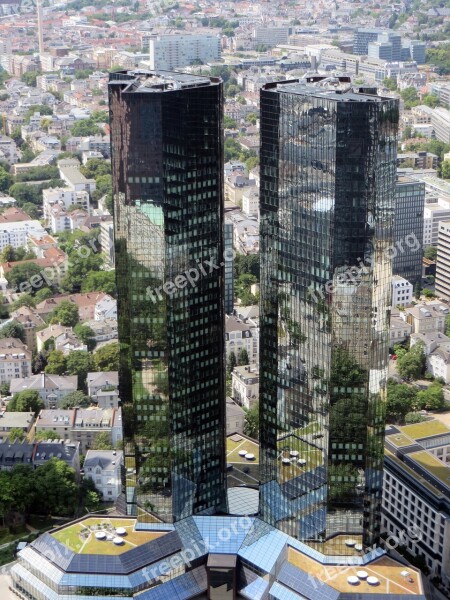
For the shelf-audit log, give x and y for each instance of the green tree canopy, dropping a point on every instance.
(21, 276)
(400, 401)
(106, 358)
(56, 488)
(74, 399)
(16, 434)
(42, 436)
(251, 422)
(102, 441)
(100, 281)
(85, 127)
(430, 253)
(13, 329)
(86, 335)
(432, 398)
(66, 314)
(412, 364)
(79, 362)
(56, 363)
(26, 401)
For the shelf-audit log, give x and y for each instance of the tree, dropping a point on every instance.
(85, 127)
(42, 109)
(40, 362)
(95, 167)
(445, 169)
(29, 78)
(92, 500)
(251, 421)
(74, 399)
(42, 436)
(231, 362)
(20, 275)
(243, 357)
(390, 83)
(32, 210)
(79, 362)
(56, 363)
(400, 401)
(428, 293)
(13, 329)
(6, 180)
(246, 264)
(86, 335)
(56, 488)
(102, 442)
(410, 97)
(43, 294)
(16, 435)
(100, 281)
(66, 314)
(26, 401)
(106, 358)
(24, 193)
(432, 398)
(430, 253)
(431, 100)
(412, 364)
(412, 417)
(24, 300)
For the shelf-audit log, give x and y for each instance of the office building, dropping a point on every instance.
(408, 229)
(433, 214)
(328, 166)
(416, 492)
(166, 132)
(440, 120)
(271, 36)
(364, 37)
(229, 267)
(442, 284)
(169, 52)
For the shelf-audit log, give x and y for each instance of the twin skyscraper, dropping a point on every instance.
(327, 183)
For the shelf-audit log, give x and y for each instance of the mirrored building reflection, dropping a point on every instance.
(328, 164)
(167, 154)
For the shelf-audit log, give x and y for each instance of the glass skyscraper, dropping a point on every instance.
(167, 155)
(328, 168)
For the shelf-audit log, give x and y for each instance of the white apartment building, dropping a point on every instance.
(250, 202)
(69, 171)
(168, 52)
(399, 330)
(245, 385)
(15, 360)
(16, 234)
(402, 291)
(105, 308)
(434, 212)
(104, 467)
(416, 492)
(64, 198)
(239, 335)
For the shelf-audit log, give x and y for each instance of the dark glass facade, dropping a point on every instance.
(328, 166)
(229, 266)
(408, 229)
(167, 154)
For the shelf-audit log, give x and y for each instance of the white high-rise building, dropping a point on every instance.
(169, 52)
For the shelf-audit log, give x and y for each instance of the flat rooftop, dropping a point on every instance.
(332, 88)
(387, 572)
(438, 469)
(141, 80)
(80, 537)
(424, 430)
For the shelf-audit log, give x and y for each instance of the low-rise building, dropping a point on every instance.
(240, 335)
(426, 318)
(15, 420)
(36, 454)
(416, 491)
(51, 388)
(104, 468)
(15, 360)
(402, 291)
(235, 417)
(82, 424)
(30, 320)
(400, 330)
(245, 385)
(89, 305)
(98, 380)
